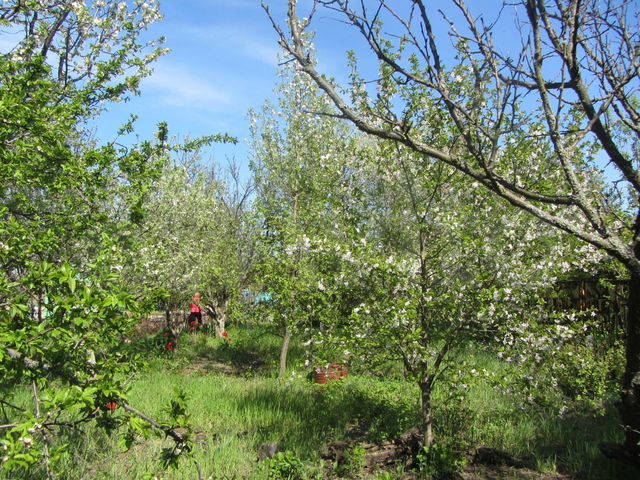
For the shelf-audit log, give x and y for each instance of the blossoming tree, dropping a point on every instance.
(569, 88)
(431, 266)
(296, 164)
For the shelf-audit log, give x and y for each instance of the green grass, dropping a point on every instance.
(543, 439)
(236, 404)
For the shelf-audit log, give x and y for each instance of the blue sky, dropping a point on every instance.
(223, 61)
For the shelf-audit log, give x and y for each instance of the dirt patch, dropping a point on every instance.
(489, 464)
(208, 366)
(380, 456)
(149, 326)
(502, 472)
(482, 463)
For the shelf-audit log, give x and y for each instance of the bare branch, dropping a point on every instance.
(510, 81)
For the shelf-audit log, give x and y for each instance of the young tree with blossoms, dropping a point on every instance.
(200, 238)
(432, 267)
(568, 89)
(174, 244)
(296, 165)
(230, 266)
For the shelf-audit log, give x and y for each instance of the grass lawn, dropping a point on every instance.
(236, 405)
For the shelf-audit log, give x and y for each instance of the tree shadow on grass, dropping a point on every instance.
(226, 359)
(542, 441)
(305, 417)
(244, 353)
(572, 445)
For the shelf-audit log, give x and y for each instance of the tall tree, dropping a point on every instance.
(569, 91)
(172, 246)
(233, 252)
(201, 236)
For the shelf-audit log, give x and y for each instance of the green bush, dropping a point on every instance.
(440, 461)
(285, 466)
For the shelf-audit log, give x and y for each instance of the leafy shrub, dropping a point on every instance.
(572, 376)
(440, 461)
(285, 466)
(586, 376)
(453, 417)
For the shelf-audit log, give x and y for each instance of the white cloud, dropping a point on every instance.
(180, 87)
(240, 38)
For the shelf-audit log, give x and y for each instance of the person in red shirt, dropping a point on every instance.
(196, 311)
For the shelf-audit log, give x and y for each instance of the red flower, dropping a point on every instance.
(225, 334)
(171, 346)
(112, 406)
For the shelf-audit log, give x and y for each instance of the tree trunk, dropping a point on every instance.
(427, 414)
(221, 309)
(283, 354)
(294, 275)
(630, 408)
(220, 321)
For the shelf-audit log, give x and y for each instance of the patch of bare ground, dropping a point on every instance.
(149, 326)
(209, 365)
(486, 472)
(381, 456)
(482, 463)
(491, 464)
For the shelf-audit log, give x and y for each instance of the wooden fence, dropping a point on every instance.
(158, 320)
(608, 298)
